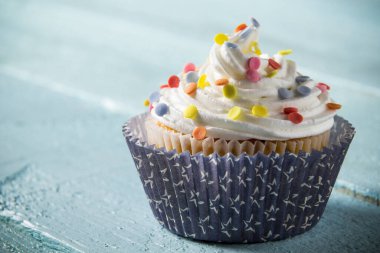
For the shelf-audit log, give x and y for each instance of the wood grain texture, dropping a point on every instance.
(72, 72)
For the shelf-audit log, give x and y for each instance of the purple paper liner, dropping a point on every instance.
(242, 199)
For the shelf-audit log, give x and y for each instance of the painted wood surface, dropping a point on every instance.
(72, 72)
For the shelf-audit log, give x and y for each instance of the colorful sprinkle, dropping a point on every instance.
(202, 83)
(257, 51)
(273, 64)
(260, 111)
(288, 110)
(161, 109)
(256, 48)
(189, 67)
(323, 87)
(164, 86)
(285, 52)
(255, 23)
(154, 97)
(221, 82)
(192, 77)
(235, 113)
(229, 91)
(240, 27)
(302, 79)
(146, 102)
(190, 89)
(245, 33)
(199, 133)
(191, 112)
(220, 38)
(333, 106)
(150, 107)
(303, 91)
(253, 76)
(272, 73)
(173, 81)
(254, 63)
(295, 117)
(284, 93)
(231, 45)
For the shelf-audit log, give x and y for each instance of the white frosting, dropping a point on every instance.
(231, 63)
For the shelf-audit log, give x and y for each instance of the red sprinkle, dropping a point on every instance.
(173, 81)
(274, 64)
(164, 86)
(323, 87)
(189, 67)
(240, 27)
(289, 110)
(295, 117)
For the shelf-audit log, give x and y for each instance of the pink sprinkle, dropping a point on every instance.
(189, 67)
(323, 87)
(253, 63)
(253, 76)
(150, 107)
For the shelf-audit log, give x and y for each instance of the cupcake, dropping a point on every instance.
(243, 148)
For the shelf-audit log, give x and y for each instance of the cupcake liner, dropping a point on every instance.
(162, 136)
(237, 199)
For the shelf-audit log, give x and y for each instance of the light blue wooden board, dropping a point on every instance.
(72, 72)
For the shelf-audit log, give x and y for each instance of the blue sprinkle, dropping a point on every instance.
(284, 93)
(255, 23)
(303, 90)
(302, 79)
(154, 97)
(161, 109)
(231, 45)
(192, 77)
(244, 34)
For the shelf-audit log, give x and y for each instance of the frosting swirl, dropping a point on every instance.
(261, 87)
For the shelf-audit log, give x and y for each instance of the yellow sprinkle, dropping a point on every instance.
(254, 47)
(235, 113)
(229, 91)
(258, 51)
(272, 74)
(191, 112)
(220, 38)
(202, 83)
(260, 111)
(146, 102)
(285, 52)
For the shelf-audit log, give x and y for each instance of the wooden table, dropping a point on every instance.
(71, 73)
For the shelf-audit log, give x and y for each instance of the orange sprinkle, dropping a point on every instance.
(333, 106)
(199, 133)
(240, 27)
(222, 81)
(190, 89)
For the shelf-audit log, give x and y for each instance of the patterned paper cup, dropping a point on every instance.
(242, 199)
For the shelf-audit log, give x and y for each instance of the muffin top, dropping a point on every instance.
(239, 93)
